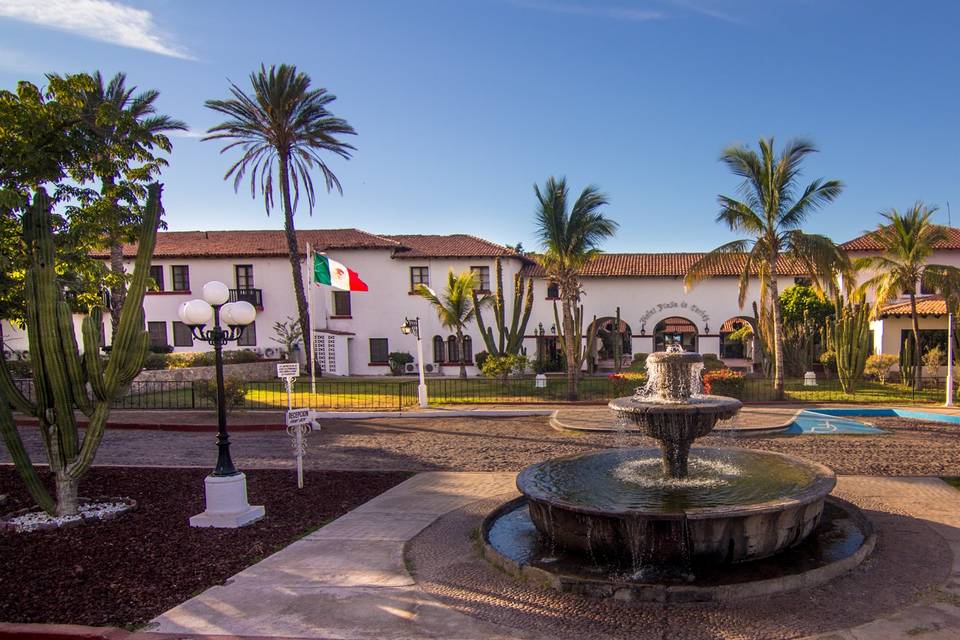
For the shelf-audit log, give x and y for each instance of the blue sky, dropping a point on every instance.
(461, 105)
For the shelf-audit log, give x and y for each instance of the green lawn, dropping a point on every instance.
(392, 393)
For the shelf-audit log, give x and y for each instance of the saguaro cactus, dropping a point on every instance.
(618, 338)
(66, 380)
(509, 339)
(848, 334)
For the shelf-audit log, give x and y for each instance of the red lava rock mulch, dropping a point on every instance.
(125, 571)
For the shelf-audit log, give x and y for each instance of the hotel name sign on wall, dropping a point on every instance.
(683, 306)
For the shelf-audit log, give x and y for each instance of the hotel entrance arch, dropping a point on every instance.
(607, 335)
(675, 330)
(737, 337)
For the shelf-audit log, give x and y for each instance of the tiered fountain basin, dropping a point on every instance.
(734, 505)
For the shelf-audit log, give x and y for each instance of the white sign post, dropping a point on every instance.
(298, 426)
(298, 420)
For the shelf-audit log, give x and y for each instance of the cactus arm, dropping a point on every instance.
(91, 440)
(76, 376)
(130, 328)
(521, 329)
(91, 353)
(47, 329)
(21, 458)
(556, 320)
(485, 332)
(10, 393)
(499, 313)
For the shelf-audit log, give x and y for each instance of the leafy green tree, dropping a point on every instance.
(42, 134)
(570, 238)
(283, 126)
(771, 212)
(455, 307)
(908, 240)
(129, 133)
(801, 302)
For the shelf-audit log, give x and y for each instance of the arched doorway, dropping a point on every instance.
(736, 339)
(608, 333)
(675, 330)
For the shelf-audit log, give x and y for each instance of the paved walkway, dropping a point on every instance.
(348, 579)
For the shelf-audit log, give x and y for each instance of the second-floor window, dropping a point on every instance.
(419, 275)
(181, 277)
(341, 303)
(483, 278)
(156, 273)
(553, 290)
(243, 274)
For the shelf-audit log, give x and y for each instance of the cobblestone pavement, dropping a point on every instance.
(352, 579)
(910, 448)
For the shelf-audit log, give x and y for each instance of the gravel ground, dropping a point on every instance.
(125, 571)
(910, 448)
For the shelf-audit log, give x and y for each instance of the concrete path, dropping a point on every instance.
(348, 579)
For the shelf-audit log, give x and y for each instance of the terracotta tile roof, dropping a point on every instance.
(266, 243)
(867, 242)
(458, 245)
(926, 306)
(660, 265)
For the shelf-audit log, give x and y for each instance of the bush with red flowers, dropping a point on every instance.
(724, 382)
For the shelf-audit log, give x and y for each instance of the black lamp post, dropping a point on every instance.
(237, 315)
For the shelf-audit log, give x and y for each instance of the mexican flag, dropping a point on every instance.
(331, 272)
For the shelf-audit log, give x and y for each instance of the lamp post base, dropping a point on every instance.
(227, 506)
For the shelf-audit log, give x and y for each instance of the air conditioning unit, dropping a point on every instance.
(270, 352)
(410, 367)
(428, 368)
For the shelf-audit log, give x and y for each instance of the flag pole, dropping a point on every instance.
(310, 353)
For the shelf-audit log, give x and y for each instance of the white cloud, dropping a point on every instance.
(189, 133)
(103, 20)
(600, 11)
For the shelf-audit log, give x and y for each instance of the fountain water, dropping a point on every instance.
(643, 508)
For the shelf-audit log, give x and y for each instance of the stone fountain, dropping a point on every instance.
(677, 506)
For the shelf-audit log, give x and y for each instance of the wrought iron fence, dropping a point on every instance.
(398, 395)
(373, 395)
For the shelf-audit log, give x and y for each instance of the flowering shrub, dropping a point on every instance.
(626, 382)
(724, 382)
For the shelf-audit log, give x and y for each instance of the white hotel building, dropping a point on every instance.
(356, 331)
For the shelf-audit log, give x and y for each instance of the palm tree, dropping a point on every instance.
(455, 307)
(907, 240)
(570, 239)
(284, 126)
(128, 129)
(771, 210)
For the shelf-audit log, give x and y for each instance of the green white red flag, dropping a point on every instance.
(331, 272)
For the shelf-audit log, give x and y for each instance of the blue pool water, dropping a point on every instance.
(843, 421)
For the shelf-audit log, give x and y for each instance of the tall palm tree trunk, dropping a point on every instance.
(916, 341)
(777, 336)
(463, 362)
(570, 351)
(294, 253)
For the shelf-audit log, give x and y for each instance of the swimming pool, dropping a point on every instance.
(842, 421)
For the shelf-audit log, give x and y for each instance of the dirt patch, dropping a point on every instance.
(909, 561)
(125, 571)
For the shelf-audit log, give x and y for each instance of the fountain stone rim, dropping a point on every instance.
(696, 404)
(823, 483)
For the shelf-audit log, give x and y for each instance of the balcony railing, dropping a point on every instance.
(253, 296)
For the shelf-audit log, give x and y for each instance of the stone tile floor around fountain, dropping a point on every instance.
(349, 579)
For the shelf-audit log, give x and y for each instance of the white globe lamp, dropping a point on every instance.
(195, 313)
(238, 314)
(216, 293)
